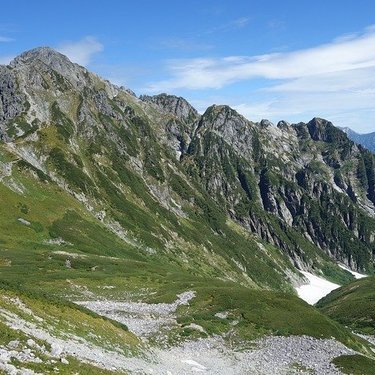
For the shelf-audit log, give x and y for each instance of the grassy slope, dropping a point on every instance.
(99, 258)
(355, 365)
(353, 305)
(253, 313)
(196, 260)
(187, 243)
(61, 319)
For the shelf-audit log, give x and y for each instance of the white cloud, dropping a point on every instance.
(235, 24)
(343, 55)
(4, 39)
(241, 22)
(81, 51)
(334, 80)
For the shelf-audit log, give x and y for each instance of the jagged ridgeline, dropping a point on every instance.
(89, 166)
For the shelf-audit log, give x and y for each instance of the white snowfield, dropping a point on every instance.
(317, 288)
(355, 274)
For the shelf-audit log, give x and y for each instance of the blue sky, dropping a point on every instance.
(290, 60)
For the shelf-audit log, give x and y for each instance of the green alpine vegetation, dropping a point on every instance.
(355, 365)
(352, 305)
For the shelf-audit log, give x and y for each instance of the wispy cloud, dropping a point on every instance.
(82, 51)
(276, 24)
(339, 56)
(330, 80)
(183, 44)
(4, 39)
(239, 23)
(235, 24)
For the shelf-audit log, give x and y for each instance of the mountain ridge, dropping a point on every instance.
(186, 129)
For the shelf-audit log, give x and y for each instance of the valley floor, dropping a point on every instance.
(152, 323)
(269, 355)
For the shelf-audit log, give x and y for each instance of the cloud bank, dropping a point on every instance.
(336, 79)
(342, 55)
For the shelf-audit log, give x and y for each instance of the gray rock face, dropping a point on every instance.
(265, 123)
(12, 103)
(242, 162)
(49, 56)
(323, 130)
(233, 128)
(104, 106)
(180, 129)
(43, 61)
(284, 125)
(177, 106)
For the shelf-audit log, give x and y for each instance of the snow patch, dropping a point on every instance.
(317, 288)
(355, 274)
(23, 221)
(71, 255)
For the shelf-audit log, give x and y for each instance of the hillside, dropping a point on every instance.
(352, 305)
(181, 225)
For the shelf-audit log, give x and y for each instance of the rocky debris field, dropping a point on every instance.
(269, 355)
(211, 356)
(143, 319)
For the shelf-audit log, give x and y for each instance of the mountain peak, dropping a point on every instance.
(45, 54)
(367, 140)
(45, 58)
(322, 130)
(264, 123)
(175, 105)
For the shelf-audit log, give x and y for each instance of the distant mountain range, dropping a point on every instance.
(366, 140)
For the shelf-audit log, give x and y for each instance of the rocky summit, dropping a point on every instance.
(136, 233)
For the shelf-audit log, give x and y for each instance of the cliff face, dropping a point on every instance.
(306, 178)
(155, 172)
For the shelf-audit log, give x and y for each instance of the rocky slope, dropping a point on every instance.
(298, 187)
(310, 177)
